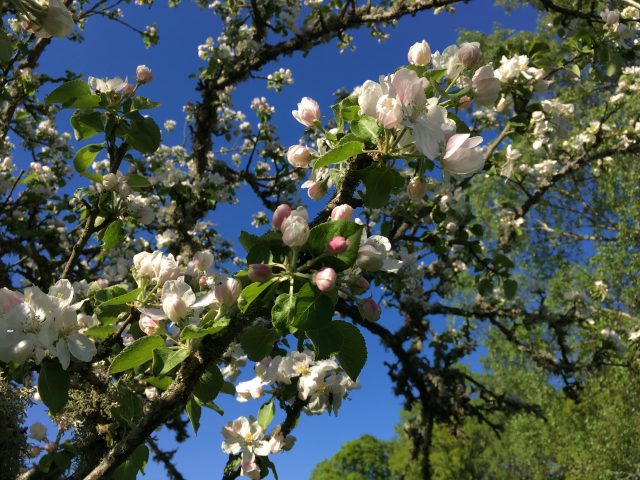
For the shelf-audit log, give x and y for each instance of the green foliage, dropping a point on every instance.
(53, 385)
(257, 341)
(339, 154)
(136, 354)
(363, 459)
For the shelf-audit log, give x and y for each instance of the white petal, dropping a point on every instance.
(81, 347)
(63, 354)
(154, 313)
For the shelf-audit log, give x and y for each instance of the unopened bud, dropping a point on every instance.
(337, 245)
(370, 310)
(342, 212)
(325, 279)
(259, 272)
(143, 74)
(279, 215)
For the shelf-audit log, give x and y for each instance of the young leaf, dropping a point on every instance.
(194, 410)
(282, 312)
(86, 123)
(266, 414)
(380, 182)
(113, 234)
(353, 353)
(68, 92)
(144, 135)
(139, 352)
(83, 157)
(366, 128)
(257, 341)
(313, 310)
(122, 299)
(339, 154)
(166, 359)
(251, 292)
(53, 385)
(209, 385)
(132, 465)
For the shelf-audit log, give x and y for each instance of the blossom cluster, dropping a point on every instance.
(322, 384)
(245, 436)
(35, 325)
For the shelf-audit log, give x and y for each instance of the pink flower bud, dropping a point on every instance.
(259, 272)
(419, 54)
(317, 190)
(370, 310)
(342, 212)
(308, 112)
(174, 307)
(325, 279)
(143, 74)
(359, 286)
(417, 187)
(280, 214)
(469, 54)
(227, 291)
(148, 325)
(337, 245)
(202, 260)
(299, 156)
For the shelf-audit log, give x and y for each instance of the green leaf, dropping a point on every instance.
(86, 123)
(320, 235)
(142, 103)
(165, 359)
(209, 384)
(53, 385)
(313, 310)
(266, 414)
(326, 341)
(346, 110)
(575, 69)
(160, 383)
(366, 128)
(113, 234)
(83, 157)
(129, 406)
(193, 331)
(6, 47)
(251, 293)
(137, 182)
(380, 182)
(68, 92)
(282, 312)
(101, 332)
(122, 299)
(353, 353)
(339, 154)
(136, 354)
(194, 411)
(132, 465)
(510, 288)
(248, 240)
(144, 135)
(257, 341)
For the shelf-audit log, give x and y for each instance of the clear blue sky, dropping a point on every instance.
(110, 49)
